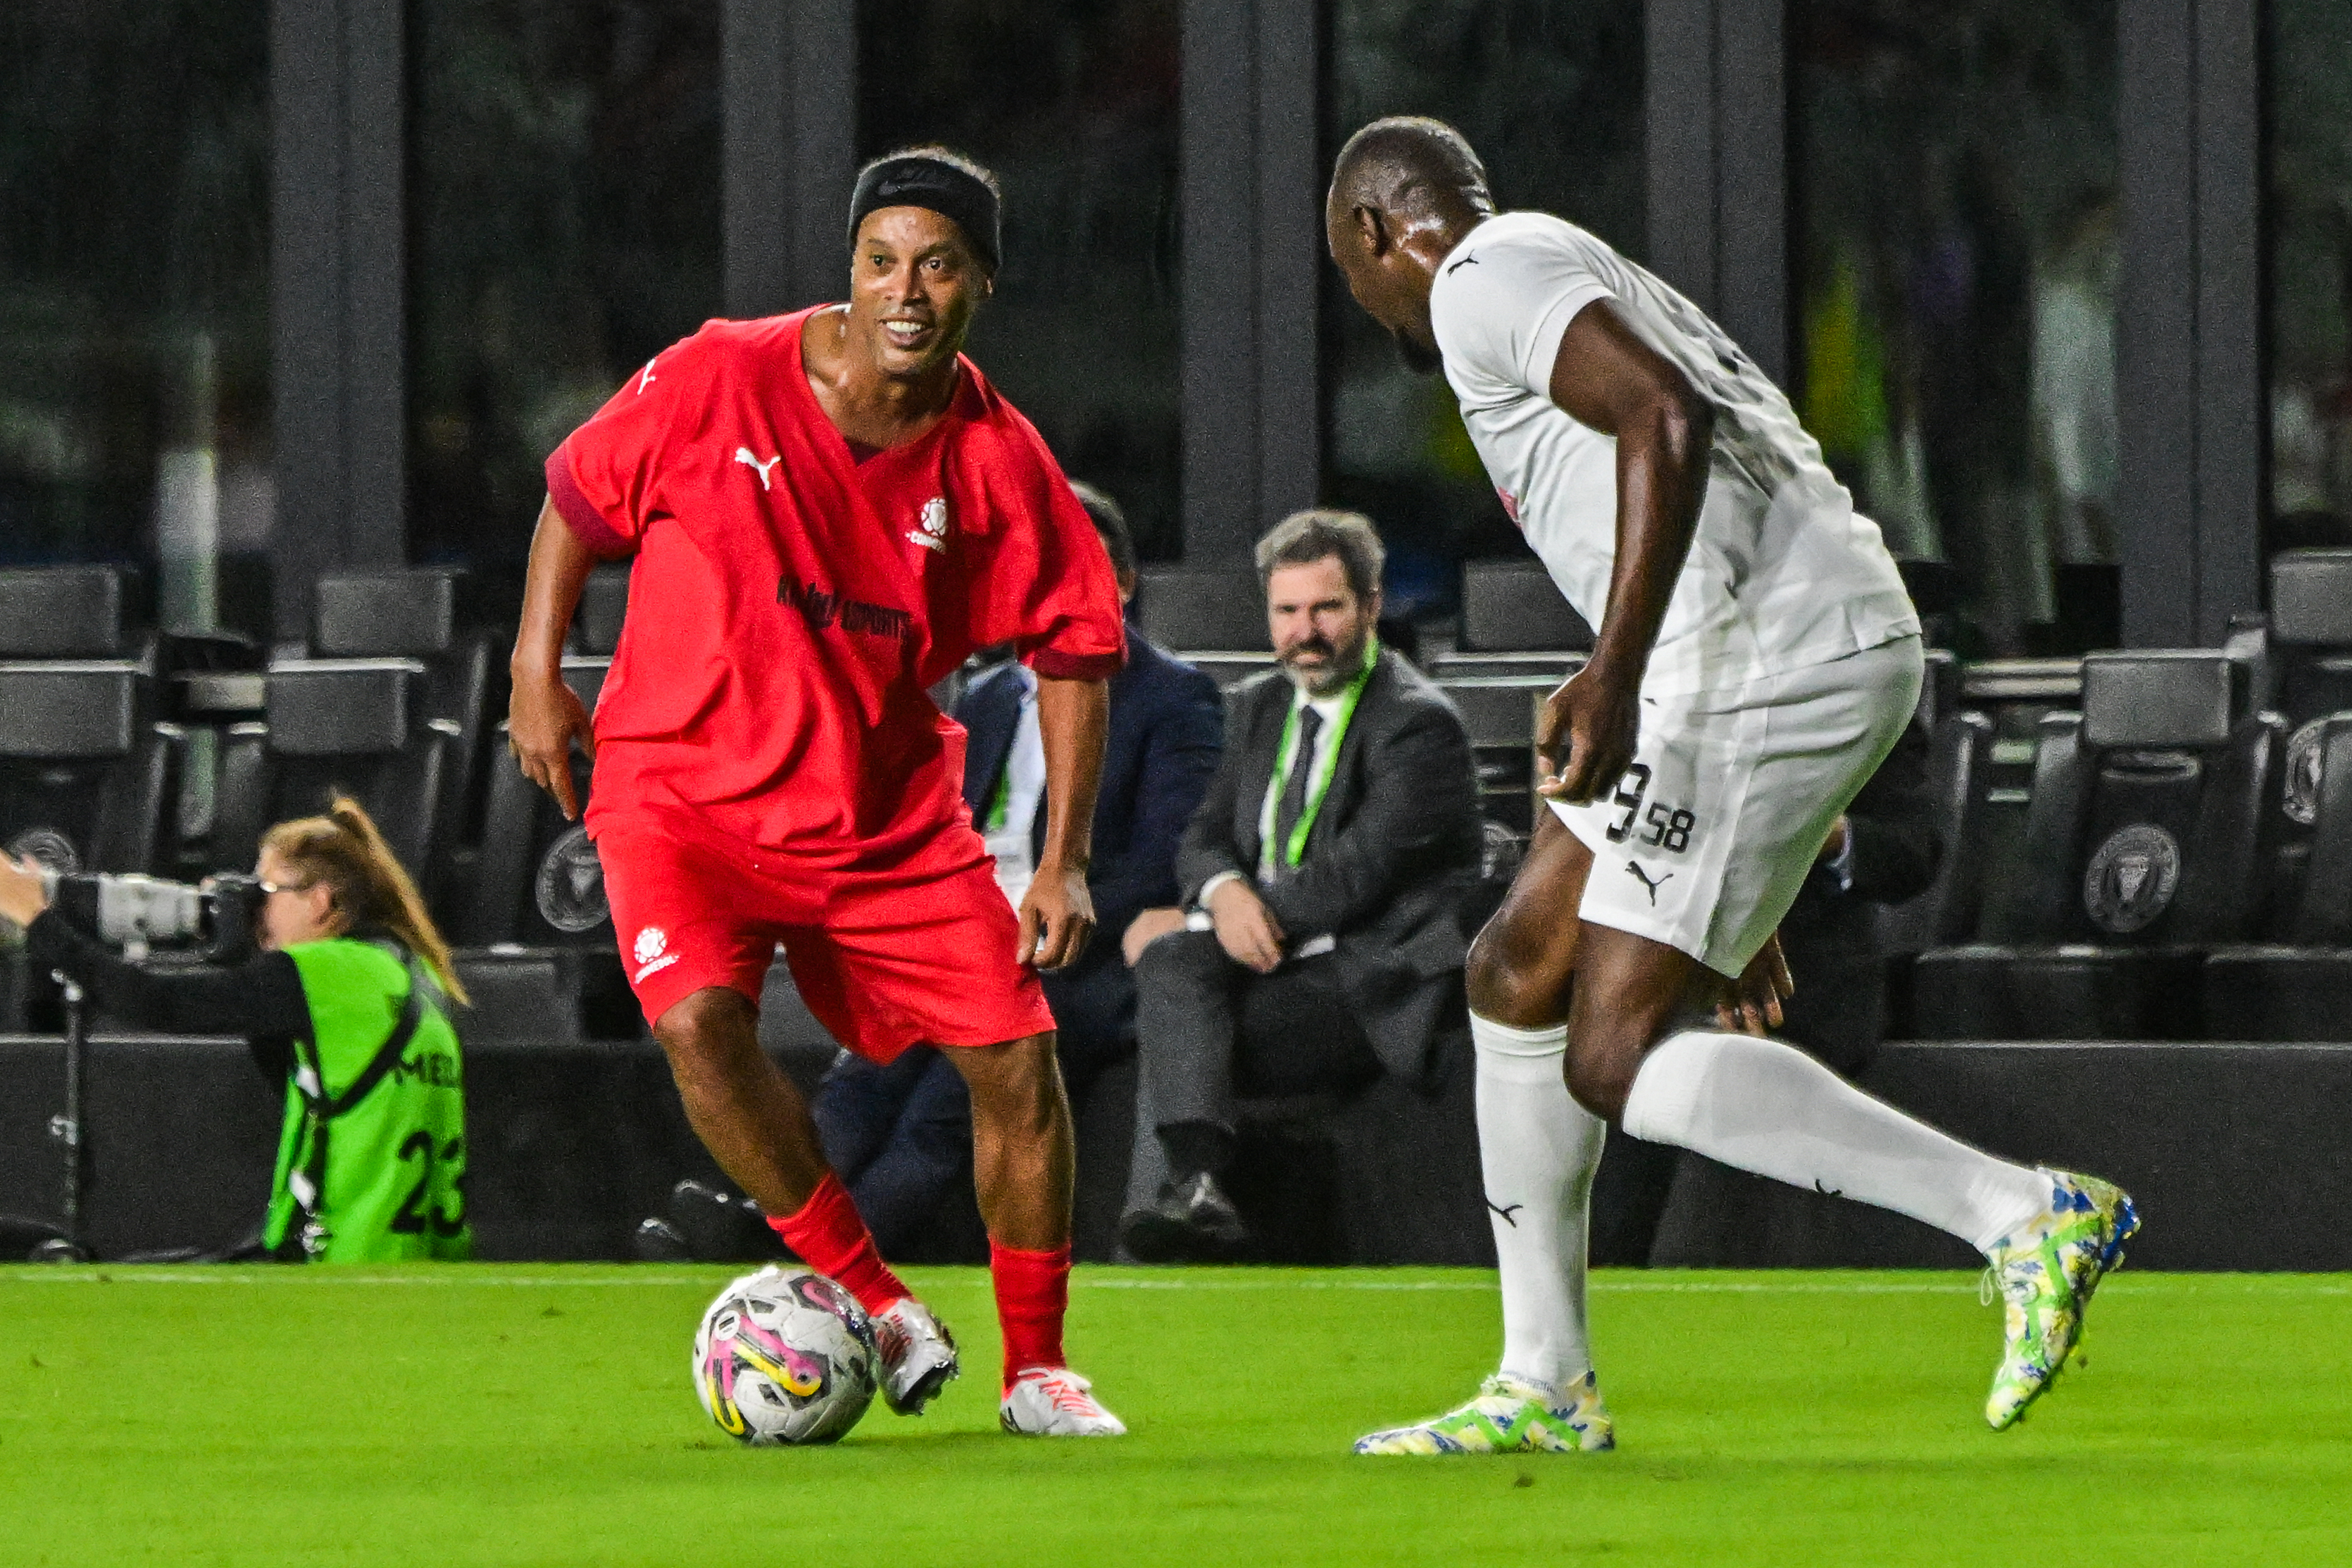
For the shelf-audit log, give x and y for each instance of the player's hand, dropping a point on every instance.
(1057, 915)
(1246, 929)
(1146, 928)
(1751, 1003)
(1586, 736)
(543, 719)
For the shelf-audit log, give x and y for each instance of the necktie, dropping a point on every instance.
(1293, 804)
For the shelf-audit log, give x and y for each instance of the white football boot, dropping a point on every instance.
(1054, 1402)
(918, 1355)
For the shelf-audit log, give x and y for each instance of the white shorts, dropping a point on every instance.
(1711, 832)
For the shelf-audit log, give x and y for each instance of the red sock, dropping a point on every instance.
(1033, 1292)
(827, 1234)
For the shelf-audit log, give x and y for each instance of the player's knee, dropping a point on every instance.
(1016, 1085)
(1503, 990)
(693, 1029)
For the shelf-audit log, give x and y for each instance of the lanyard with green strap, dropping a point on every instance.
(1318, 784)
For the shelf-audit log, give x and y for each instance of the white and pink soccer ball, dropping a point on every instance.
(785, 1356)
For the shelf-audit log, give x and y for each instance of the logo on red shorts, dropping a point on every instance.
(650, 956)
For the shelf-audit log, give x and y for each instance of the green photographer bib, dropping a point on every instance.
(372, 1162)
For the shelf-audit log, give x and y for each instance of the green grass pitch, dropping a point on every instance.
(523, 1415)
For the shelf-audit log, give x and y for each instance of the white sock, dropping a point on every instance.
(1538, 1149)
(1768, 1108)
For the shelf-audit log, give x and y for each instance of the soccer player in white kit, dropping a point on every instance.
(1756, 657)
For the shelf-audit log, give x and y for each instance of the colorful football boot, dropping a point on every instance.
(2047, 1271)
(1510, 1415)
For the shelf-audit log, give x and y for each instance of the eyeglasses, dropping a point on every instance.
(284, 886)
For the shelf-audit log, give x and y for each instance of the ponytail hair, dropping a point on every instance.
(343, 850)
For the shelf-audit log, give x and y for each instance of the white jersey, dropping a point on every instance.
(1781, 572)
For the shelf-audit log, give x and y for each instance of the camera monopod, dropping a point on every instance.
(66, 1129)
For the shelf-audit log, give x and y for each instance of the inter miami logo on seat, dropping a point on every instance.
(1647, 885)
(2131, 879)
(571, 890)
(2300, 798)
(47, 848)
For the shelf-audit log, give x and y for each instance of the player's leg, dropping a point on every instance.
(1538, 1150)
(1024, 1157)
(751, 1118)
(1642, 1049)
(698, 932)
(936, 962)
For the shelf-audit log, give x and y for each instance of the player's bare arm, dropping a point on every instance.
(544, 717)
(1057, 914)
(1607, 379)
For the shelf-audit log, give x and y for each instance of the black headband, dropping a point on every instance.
(919, 180)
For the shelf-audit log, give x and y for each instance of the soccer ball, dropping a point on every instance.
(785, 1356)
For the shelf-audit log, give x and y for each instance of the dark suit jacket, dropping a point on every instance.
(1830, 935)
(1166, 731)
(1395, 848)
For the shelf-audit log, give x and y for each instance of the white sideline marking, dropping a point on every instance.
(142, 1274)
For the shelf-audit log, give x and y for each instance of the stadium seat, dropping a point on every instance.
(2141, 842)
(1959, 772)
(535, 932)
(356, 725)
(412, 613)
(1513, 606)
(2301, 987)
(88, 773)
(1499, 711)
(603, 605)
(1187, 610)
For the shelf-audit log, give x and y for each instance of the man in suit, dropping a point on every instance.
(1323, 875)
(901, 1134)
(1883, 850)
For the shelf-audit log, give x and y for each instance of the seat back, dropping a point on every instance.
(537, 879)
(412, 613)
(1193, 610)
(88, 777)
(1499, 712)
(604, 609)
(358, 726)
(1513, 606)
(2322, 915)
(2145, 820)
(2311, 626)
(1960, 775)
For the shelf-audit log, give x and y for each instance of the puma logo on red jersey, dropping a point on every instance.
(743, 455)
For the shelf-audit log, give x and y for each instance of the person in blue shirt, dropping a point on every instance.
(900, 1136)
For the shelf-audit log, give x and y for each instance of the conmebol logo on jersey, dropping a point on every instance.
(933, 534)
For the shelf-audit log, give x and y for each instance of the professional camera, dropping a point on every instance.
(135, 913)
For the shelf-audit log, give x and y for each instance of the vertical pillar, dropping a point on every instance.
(1679, 145)
(2189, 394)
(789, 84)
(1752, 162)
(1718, 132)
(1250, 187)
(338, 311)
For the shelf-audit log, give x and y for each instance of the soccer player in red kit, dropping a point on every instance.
(827, 512)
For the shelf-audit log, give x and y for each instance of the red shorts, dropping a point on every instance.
(923, 953)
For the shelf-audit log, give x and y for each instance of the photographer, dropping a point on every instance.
(343, 1007)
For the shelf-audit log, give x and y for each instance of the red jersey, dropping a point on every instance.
(788, 604)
